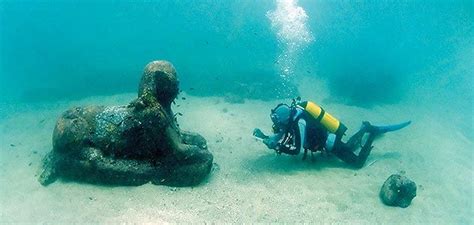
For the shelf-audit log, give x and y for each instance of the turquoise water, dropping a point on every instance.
(80, 48)
(368, 54)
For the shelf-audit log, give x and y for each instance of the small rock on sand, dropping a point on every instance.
(398, 190)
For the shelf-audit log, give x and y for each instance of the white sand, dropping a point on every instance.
(252, 184)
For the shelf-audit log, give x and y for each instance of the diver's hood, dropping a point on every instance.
(280, 115)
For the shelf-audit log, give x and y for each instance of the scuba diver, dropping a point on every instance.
(304, 126)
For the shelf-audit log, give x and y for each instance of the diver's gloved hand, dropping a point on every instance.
(259, 134)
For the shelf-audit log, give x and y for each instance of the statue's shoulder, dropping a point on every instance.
(149, 110)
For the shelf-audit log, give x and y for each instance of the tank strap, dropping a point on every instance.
(321, 115)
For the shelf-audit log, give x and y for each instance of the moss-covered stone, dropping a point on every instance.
(398, 190)
(132, 144)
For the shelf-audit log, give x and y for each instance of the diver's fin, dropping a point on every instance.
(389, 128)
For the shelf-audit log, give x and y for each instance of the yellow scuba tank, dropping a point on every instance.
(328, 121)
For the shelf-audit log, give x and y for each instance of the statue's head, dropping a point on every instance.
(160, 80)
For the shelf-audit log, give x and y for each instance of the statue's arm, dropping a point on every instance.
(192, 138)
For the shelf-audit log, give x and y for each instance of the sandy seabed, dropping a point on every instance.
(248, 183)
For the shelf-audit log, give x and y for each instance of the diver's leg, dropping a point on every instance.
(346, 154)
(365, 151)
(356, 139)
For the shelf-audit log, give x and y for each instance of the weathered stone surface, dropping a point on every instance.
(398, 190)
(132, 144)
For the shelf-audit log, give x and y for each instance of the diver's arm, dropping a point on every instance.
(272, 140)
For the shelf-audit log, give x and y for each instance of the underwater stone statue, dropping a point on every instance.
(398, 190)
(132, 144)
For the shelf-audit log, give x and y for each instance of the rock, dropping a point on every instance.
(131, 144)
(398, 190)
